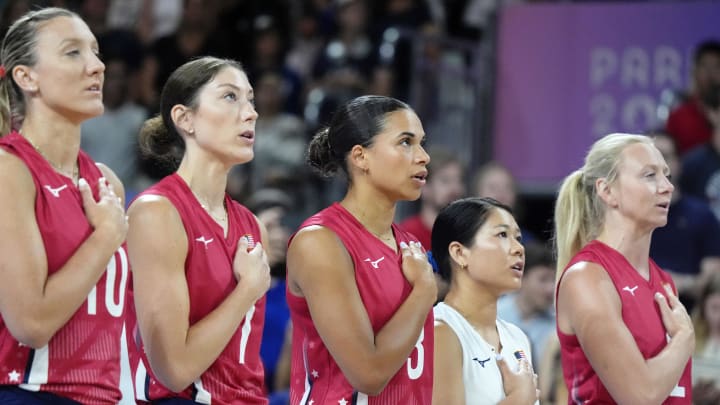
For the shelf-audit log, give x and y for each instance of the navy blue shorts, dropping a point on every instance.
(174, 401)
(13, 395)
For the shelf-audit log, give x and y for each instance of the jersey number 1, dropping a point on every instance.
(245, 333)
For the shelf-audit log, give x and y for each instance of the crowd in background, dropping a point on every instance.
(303, 59)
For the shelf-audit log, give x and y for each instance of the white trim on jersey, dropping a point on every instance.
(38, 373)
(140, 377)
(202, 396)
(362, 399)
(126, 382)
(306, 394)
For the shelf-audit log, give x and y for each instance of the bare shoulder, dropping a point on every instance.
(156, 209)
(15, 171)
(156, 220)
(446, 340)
(586, 295)
(584, 276)
(316, 254)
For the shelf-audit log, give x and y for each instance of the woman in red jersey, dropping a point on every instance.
(64, 269)
(624, 335)
(200, 272)
(360, 290)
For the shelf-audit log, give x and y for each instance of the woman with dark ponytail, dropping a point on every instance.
(199, 268)
(360, 290)
(64, 268)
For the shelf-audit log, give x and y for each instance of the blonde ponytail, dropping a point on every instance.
(572, 228)
(579, 211)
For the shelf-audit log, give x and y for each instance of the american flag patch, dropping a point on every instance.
(520, 355)
(250, 240)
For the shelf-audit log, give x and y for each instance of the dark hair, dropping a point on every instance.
(458, 222)
(356, 122)
(19, 48)
(538, 254)
(159, 137)
(710, 46)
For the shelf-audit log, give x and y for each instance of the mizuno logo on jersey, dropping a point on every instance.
(55, 191)
(630, 290)
(204, 241)
(482, 362)
(375, 263)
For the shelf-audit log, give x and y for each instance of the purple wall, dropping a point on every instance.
(570, 73)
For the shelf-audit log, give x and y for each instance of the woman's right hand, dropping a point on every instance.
(107, 214)
(674, 315)
(520, 385)
(251, 268)
(415, 265)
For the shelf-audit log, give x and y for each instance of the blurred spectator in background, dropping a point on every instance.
(706, 360)
(688, 247)
(271, 207)
(191, 39)
(690, 123)
(269, 50)
(306, 41)
(531, 307)
(701, 168)
(551, 384)
(239, 22)
(280, 146)
(445, 184)
(494, 180)
(393, 20)
(344, 66)
(148, 18)
(281, 141)
(113, 137)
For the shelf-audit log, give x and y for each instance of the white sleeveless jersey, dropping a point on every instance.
(481, 375)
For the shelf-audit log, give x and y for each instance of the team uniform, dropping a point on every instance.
(82, 360)
(640, 314)
(481, 375)
(236, 376)
(315, 376)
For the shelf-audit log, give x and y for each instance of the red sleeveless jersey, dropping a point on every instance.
(315, 376)
(641, 316)
(82, 359)
(236, 376)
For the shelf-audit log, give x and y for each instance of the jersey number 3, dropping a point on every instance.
(118, 261)
(415, 372)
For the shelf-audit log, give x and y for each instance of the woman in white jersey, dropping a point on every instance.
(479, 359)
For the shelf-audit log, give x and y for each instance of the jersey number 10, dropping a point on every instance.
(114, 303)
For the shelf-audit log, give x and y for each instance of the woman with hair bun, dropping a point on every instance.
(360, 290)
(199, 268)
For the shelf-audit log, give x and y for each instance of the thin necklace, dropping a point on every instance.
(74, 175)
(206, 207)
